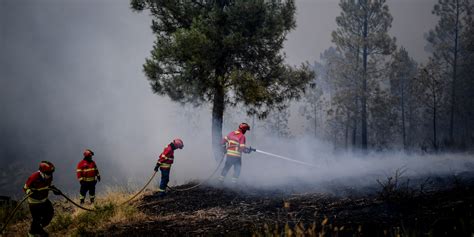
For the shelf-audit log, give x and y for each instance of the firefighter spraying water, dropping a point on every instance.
(233, 145)
(282, 157)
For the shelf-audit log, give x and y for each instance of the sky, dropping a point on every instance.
(71, 78)
(315, 21)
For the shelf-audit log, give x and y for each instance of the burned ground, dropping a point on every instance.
(442, 209)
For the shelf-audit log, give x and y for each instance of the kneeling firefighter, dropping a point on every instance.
(41, 208)
(233, 145)
(165, 160)
(88, 175)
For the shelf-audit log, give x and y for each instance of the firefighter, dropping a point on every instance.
(88, 175)
(233, 145)
(41, 208)
(164, 163)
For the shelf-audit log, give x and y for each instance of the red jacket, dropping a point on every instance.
(166, 157)
(37, 184)
(235, 143)
(87, 170)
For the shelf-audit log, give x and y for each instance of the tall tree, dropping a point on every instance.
(468, 85)
(402, 70)
(446, 42)
(363, 33)
(432, 94)
(339, 84)
(277, 123)
(312, 101)
(223, 52)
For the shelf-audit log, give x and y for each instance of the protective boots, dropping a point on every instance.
(40, 233)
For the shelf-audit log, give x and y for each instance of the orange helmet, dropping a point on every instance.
(244, 127)
(88, 153)
(178, 143)
(46, 167)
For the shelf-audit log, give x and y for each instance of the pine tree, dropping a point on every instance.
(224, 52)
(432, 93)
(448, 48)
(362, 34)
(402, 70)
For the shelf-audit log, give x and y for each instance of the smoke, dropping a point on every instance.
(71, 78)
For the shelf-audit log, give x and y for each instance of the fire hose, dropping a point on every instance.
(28, 195)
(141, 190)
(149, 181)
(198, 184)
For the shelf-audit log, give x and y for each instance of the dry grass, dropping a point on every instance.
(72, 221)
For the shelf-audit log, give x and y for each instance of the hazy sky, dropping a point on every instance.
(316, 21)
(71, 78)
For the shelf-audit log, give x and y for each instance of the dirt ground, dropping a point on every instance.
(445, 209)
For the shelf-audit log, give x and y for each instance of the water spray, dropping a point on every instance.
(283, 157)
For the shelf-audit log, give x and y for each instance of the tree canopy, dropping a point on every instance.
(225, 52)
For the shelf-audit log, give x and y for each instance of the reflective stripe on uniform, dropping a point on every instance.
(88, 179)
(35, 201)
(167, 158)
(165, 165)
(233, 153)
(38, 189)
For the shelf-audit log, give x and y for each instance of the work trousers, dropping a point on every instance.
(165, 178)
(229, 162)
(42, 214)
(88, 186)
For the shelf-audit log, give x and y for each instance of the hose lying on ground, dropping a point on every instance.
(149, 181)
(130, 199)
(28, 195)
(14, 211)
(74, 203)
(198, 184)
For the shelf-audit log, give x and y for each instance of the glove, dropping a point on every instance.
(157, 166)
(249, 149)
(55, 190)
(98, 178)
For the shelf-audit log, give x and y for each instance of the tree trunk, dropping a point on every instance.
(315, 109)
(403, 115)
(364, 88)
(346, 133)
(453, 86)
(435, 141)
(217, 119)
(354, 133)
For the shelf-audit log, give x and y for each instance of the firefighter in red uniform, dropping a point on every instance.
(38, 186)
(234, 145)
(88, 175)
(165, 161)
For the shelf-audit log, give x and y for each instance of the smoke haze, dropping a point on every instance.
(71, 78)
